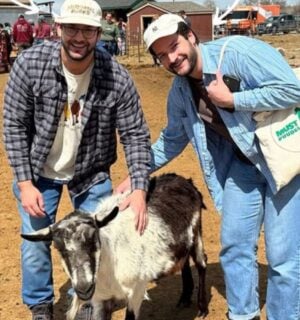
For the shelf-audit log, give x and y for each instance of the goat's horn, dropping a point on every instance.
(102, 222)
(44, 234)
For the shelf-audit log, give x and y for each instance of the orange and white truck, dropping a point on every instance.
(244, 19)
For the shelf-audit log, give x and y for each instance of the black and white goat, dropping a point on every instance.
(106, 258)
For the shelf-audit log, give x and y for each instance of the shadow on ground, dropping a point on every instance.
(164, 295)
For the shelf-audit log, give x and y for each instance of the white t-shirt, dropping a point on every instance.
(60, 162)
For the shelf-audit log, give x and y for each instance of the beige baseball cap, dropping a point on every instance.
(86, 12)
(164, 26)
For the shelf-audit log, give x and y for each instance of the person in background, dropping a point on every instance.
(54, 34)
(8, 28)
(22, 34)
(186, 19)
(122, 37)
(211, 105)
(109, 34)
(63, 104)
(41, 31)
(31, 22)
(5, 48)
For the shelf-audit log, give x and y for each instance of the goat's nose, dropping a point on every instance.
(85, 291)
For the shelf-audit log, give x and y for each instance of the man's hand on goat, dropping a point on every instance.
(137, 201)
(123, 186)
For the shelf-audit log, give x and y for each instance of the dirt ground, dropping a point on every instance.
(153, 84)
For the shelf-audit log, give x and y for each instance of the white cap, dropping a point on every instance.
(164, 26)
(86, 12)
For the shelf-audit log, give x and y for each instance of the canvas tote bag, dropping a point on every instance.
(278, 133)
(279, 138)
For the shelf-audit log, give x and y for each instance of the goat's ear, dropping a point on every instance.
(40, 235)
(103, 221)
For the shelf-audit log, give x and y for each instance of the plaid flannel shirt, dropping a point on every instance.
(34, 99)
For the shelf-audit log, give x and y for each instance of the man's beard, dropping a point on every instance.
(68, 52)
(191, 57)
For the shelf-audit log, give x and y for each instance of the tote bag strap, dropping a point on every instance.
(223, 49)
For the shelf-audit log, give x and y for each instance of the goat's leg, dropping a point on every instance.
(135, 299)
(187, 285)
(103, 309)
(129, 315)
(200, 260)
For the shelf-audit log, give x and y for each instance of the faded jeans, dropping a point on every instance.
(37, 281)
(247, 205)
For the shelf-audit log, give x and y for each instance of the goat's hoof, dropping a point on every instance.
(202, 313)
(184, 302)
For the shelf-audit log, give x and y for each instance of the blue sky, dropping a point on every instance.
(223, 4)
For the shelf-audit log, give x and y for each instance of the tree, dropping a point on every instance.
(282, 3)
(251, 2)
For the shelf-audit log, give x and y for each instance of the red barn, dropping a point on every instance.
(200, 17)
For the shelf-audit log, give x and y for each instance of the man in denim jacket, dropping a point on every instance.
(63, 103)
(218, 123)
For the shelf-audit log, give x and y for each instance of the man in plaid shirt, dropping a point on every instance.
(63, 104)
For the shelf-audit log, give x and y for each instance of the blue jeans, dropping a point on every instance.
(247, 205)
(109, 46)
(37, 282)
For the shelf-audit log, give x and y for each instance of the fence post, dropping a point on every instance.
(139, 40)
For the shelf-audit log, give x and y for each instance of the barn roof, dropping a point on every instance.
(187, 6)
(26, 2)
(117, 4)
(10, 3)
(173, 7)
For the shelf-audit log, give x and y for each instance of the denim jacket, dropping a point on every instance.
(266, 83)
